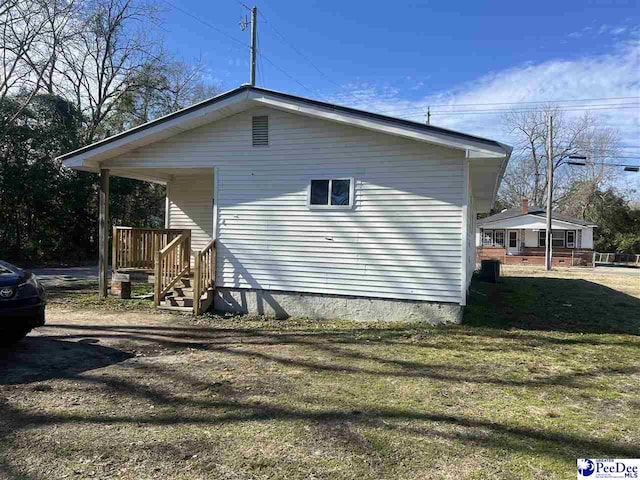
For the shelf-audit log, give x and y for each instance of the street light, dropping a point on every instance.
(578, 157)
(583, 162)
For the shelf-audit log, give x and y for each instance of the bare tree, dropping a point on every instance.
(526, 175)
(185, 85)
(103, 61)
(100, 54)
(31, 32)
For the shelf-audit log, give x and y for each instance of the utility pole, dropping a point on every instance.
(429, 115)
(253, 47)
(254, 35)
(549, 233)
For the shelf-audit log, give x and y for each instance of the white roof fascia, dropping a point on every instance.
(148, 135)
(376, 125)
(198, 115)
(535, 223)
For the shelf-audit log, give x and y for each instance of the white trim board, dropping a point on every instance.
(244, 98)
(530, 222)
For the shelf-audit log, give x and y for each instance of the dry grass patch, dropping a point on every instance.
(132, 395)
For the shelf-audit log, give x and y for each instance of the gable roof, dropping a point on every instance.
(247, 96)
(537, 212)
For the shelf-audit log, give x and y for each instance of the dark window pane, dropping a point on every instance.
(340, 192)
(319, 192)
(557, 238)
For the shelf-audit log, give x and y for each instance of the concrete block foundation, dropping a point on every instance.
(276, 304)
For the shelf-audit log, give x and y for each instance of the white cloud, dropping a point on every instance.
(618, 30)
(604, 28)
(592, 77)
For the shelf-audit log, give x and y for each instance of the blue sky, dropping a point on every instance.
(397, 57)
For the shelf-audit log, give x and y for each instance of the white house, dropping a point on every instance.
(291, 206)
(518, 236)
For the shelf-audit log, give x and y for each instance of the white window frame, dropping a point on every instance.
(495, 238)
(564, 238)
(573, 243)
(485, 232)
(352, 190)
(542, 238)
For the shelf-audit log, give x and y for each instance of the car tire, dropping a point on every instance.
(13, 336)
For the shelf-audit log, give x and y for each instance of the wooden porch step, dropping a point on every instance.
(175, 301)
(183, 291)
(175, 309)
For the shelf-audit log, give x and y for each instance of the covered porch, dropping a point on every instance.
(521, 241)
(179, 260)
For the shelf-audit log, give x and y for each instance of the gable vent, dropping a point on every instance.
(260, 131)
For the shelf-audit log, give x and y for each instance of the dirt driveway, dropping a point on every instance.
(75, 341)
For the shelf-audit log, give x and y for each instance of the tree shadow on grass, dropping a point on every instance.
(41, 358)
(235, 404)
(225, 410)
(553, 304)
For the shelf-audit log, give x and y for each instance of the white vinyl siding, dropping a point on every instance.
(190, 204)
(471, 238)
(402, 239)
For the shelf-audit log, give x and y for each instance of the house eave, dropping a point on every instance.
(240, 99)
(506, 223)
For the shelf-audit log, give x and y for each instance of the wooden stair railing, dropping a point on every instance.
(204, 277)
(171, 264)
(135, 248)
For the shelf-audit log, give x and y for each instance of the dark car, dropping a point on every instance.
(22, 303)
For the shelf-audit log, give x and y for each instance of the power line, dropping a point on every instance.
(536, 101)
(297, 50)
(203, 22)
(207, 24)
(593, 105)
(422, 107)
(284, 72)
(305, 57)
(591, 164)
(486, 112)
(614, 156)
(260, 62)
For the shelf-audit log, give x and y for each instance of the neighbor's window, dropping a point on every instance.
(571, 239)
(557, 238)
(332, 193)
(499, 238)
(487, 238)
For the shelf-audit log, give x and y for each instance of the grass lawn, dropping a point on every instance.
(544, 371)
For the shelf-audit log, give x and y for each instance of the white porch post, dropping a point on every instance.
(103, 233)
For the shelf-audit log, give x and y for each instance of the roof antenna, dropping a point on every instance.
(244, 23)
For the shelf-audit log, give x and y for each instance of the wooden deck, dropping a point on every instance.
(164, 257)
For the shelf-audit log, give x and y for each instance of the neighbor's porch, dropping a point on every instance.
(526, 246)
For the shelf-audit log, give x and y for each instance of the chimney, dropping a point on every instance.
(525, 206)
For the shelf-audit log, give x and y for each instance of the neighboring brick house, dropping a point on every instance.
(517, 237)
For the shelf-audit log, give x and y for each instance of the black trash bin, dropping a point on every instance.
(490, 270)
